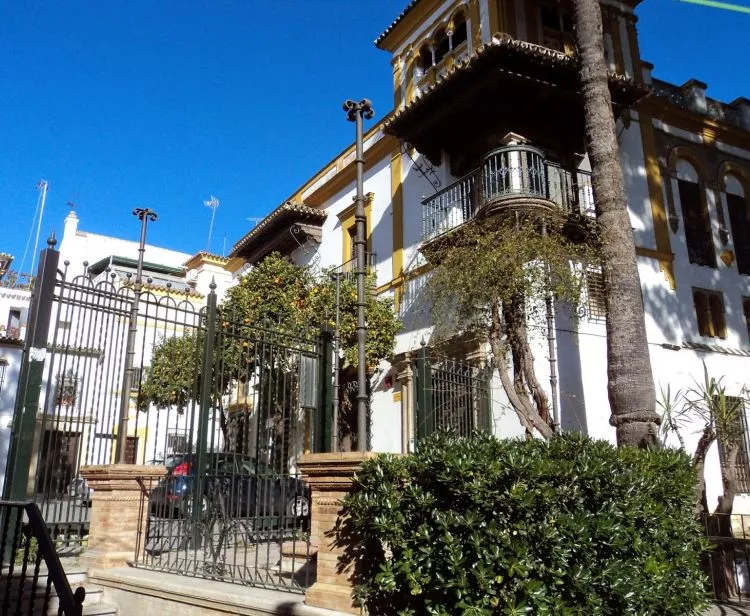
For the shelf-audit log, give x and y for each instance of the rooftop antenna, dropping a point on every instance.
(212, 203)
(254, 220)
(42, 186)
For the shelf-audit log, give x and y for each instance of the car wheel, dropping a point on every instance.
(298, 507)
(187, 507)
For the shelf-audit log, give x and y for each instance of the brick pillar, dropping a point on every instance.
(119, 508)
(329, 476)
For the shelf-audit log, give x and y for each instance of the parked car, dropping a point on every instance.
(233, 486)
(79, 490)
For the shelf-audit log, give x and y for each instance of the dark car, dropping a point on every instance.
(233, 486)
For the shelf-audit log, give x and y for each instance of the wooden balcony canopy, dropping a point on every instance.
(505, 86)
(290, 225)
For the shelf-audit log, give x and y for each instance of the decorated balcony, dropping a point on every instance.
(510, 178)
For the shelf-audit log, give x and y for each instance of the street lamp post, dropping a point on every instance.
(144, 215)
(357, 112)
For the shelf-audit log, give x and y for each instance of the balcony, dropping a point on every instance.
(511, 178)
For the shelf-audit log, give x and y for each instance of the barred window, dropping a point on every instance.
(700, 244)
(595, 300)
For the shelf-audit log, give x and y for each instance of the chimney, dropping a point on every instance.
(695, 94)
(71, 224)
(741, 108)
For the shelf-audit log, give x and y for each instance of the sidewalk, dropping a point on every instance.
(729, 610)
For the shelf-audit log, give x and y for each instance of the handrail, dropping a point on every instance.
(71, 603)
(507, 173)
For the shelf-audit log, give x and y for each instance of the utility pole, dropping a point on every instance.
(357, 112)
(144, 215)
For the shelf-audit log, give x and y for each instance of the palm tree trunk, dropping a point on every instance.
(632, 397)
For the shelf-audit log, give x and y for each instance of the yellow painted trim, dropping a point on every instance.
(656, 196)
(337, 161)
(234, 264)
(496, 24)
(346, 174)
(398, 78)
(348, 223)
(410, 87)
(397, 219)
(476, 24)
(397, 396)
(654, 254)
(202, 258)
(417, 16)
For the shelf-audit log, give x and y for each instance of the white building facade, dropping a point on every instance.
(467, 74)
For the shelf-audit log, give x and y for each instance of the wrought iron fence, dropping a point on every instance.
(506, 172)
(237, 509)
(32, 580)
(451, 395)
(727, 562)
(220, 402)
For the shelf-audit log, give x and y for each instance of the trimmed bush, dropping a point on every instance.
(569, 526)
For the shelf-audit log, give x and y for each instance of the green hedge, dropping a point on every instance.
(569, 526)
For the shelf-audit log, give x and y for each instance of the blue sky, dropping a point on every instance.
(120, 104)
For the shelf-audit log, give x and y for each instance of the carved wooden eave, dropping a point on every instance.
(505, 85)
(286, 228)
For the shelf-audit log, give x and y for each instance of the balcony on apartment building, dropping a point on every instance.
(514, 177)
(504, 85)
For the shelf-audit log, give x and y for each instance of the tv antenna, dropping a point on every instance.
(254, 219)
(212, 203)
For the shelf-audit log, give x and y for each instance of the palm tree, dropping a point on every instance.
(630, 383)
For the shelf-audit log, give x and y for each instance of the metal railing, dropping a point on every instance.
(508, 172)
(348, 269)
(25, 543)
(727, 563)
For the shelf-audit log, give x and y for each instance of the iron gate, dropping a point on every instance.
(225, 405)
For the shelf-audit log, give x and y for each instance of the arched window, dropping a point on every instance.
(442, 46)
(709, 311)
(460, 33)
(739, 219)
(424, 60)
(700, 244)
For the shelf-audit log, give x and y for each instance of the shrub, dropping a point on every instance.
(562, 527)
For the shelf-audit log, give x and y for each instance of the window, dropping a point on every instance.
(700, 245)
(597, 310)
(709, 310)
(738, 434)
(739, 218)
(444, 44)
(14, 323)
(177, 443)
(557, 28)
(3, 368)
(746, 310)
(66, 391)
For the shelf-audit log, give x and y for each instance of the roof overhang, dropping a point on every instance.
(157, 268)
(505, 86)
(290, 225)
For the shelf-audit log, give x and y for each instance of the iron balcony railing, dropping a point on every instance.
(505, 173)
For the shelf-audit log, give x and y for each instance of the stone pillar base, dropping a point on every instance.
(329, 476)
(119, 508)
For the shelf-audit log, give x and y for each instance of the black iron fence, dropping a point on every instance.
(227, 406)
(451, 394)
(32, 580)
(727, 562)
